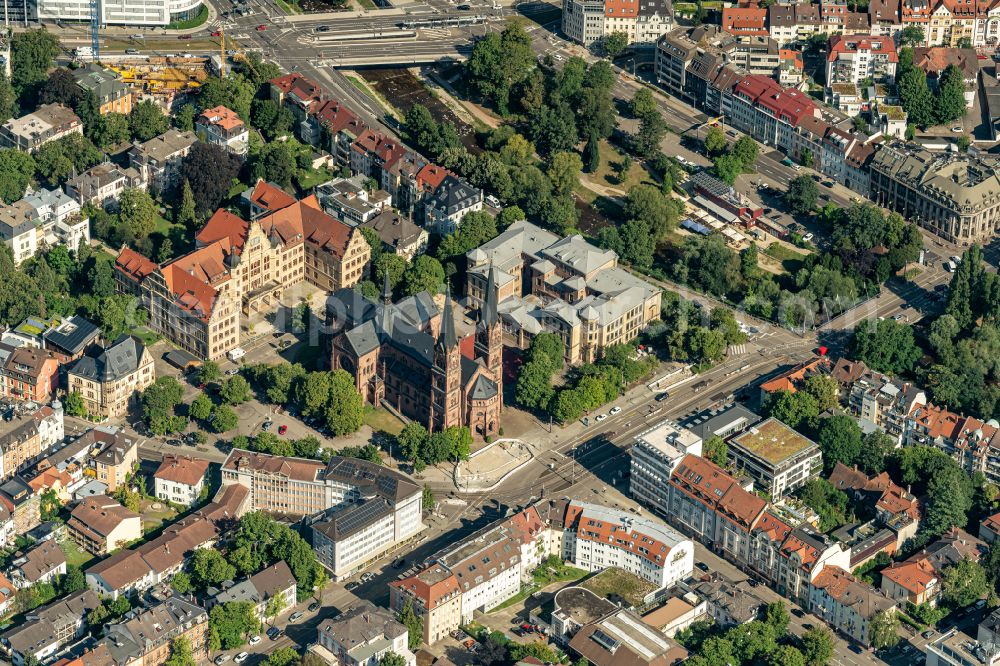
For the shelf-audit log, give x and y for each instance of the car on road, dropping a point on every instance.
(296, 616)
(254, 640)
(174, 442)
(217, 33)
(137, 36)
(282, 429)
(464, 8)
(399, 563)
(183, 36)
(928, 633)
(322, 28)
(221, 659)
(241, 657)
(131, 51)
(261, 28)
(660, 397)
(949, 266)
(702, 566)
(273, 633)
(797, 613)
(955, 259)
(232, 371)
(367, 576)
(616, 410)
(601, 417)
(313, 607)
(353, 585)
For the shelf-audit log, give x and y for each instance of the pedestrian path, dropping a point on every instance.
(736, 350)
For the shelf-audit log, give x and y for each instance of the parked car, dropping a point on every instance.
(261, 28)
(616, 410)
(313, 607)
(183, 36)
(322, 28)
(493, 201)
(282, 429)
(955, 259)
(221, 659)
(367, 576)
(702, 566)
(601, 417)
(660, 397)
(241, 657)
(254, 640)
(808, 237)
(353, 585)
(266, 425)
(273, 633)
(399, 563)
(295, 617)
(958, 129)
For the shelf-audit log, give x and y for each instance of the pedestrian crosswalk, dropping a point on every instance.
(737, 350)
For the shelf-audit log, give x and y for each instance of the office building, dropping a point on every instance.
(778, 458)
(655, 455)
(110, 381)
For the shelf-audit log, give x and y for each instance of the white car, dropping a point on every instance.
(255, 640)
(601, 417)
(241, 657)
(956, 260)
(958, 129)
(295, 617)
(807, 237)
(367, 576)
(616, 410)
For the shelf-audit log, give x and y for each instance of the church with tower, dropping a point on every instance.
(410, 357)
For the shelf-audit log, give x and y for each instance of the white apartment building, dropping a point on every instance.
(180, 479)
(364, 634)
(358, 510)
(854, 58)
(223, 127)
(590, 21)
(120, 12)
(599, 537)
(655, 455)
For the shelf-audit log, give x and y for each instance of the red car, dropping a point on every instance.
(282, 429)
(217, 33)
(261, 28)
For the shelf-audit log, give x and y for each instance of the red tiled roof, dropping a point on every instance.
(745, 20)
(181, 469)
(431, 586)
(269, 197)
(853, 43)
(133, 264)
(913, 576)
(222, 116)
(224, 224)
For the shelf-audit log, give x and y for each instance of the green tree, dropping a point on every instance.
(912, 35)
(885, 345)
(825, 389)
(283, 656)
(223, 419)
(181, 653)
(715, 141)
(230, 623)
(275, 605)
(964, 583)
(615, 44)
(32, 55)
(16, 171)
(146, 120)
(915, 97)
(717, 451)
(949, 104)
(534, 386)
(776, 615)
(275, 162)
(423, 274)
(187, 212)
(792, 409)
(652, 130)
(181, 582)
(73, 580)
(235, 390)
(414, 624)
(74, 405)
(8, 99)
(564, 172)
(727, 168)
(875, 449)
(802, 194)
(391, 659)
(272, 119)
(883, 630)
(209, 373)
(109, 130)
(235, 91)
(209, 170)
(839, 440)
(500, 61)
(209, 567)
(746, 150)
(643, 103)
(137, 214)
(787, 655)
(817, 646)
(345, 408)
(427, 499)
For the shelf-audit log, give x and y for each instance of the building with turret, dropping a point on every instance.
(410, 356)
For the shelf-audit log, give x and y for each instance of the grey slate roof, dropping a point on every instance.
(454, 195)
(119, 360)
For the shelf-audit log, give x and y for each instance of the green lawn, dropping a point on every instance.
(607, 174)
(289, 7)
(617, 584)
(74, 554)
(381, 419)
(790, 260)
(306, 179)
(198, 20)
(527, 589)
(153, 519)
(546, 574)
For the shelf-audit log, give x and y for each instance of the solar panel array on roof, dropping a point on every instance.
(606, 641)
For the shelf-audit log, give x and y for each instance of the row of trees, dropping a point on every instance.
(329, 397)
(728, 163)
(926, 108)
(422, 448)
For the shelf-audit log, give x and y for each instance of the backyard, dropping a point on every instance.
(616, 584)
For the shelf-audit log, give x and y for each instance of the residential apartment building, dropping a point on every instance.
(363, 634)
(564, 286)
(587, 22)
(373, 510)
(596, 538)
(624, 637)
(110, 381)
(45, 630)
(46, 123)
(223, 127)
(158, 161)
(100, 525)
(146, 636)
(303, 98)
(28, 435)
(398, 233)
(449, 203)
(156, 561)
(778, 458)
(349, 201)
(933, 61)
(29, 374)
(274, 581)
(41, 563)
(918, 579)
(745, 21)
(180, 479)
(435, 596)
(21, 502)
(857, 58)
(358, 510)
(654, 456)
(115, 460)
(102, 184)
(847, 604)
(20, 230)
(876, 398)
(112, 95)
(242, 268)
(60, 218)
(952, 195)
